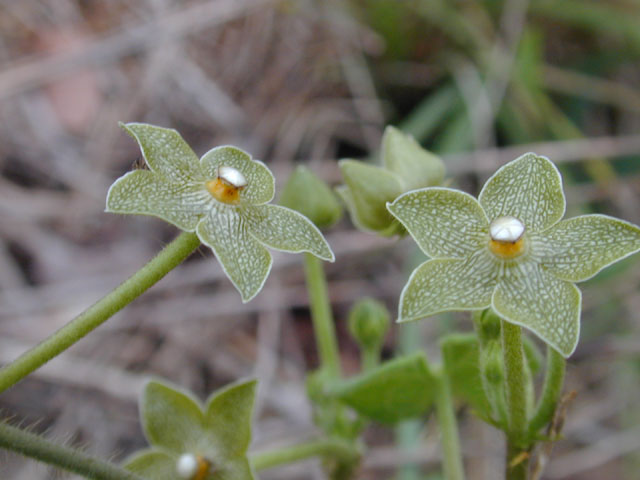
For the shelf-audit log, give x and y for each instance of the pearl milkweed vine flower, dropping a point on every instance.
(223, 197)
(509, 250)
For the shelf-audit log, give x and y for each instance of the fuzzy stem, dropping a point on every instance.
(170, 257)
(551, 391)
(453, 468)
(295, 453)
(517, 467)
(322, 317)
(34, 446)
(369, 358)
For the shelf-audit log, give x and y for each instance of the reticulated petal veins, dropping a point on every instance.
(530, 297)
(578, 248)
(172, 419)
(152, 463)
(260, 182)
(287, 230)
(146, 193)
(229, 415)
(244, 260)
(445, 223)
(448, 284)
(529, 189)
(166, 152)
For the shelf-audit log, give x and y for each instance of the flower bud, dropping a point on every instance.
(488, 325)
(307, 194)
(368, 323)
(405, 166)
(491, 362)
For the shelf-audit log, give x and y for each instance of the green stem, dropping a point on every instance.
(170, 257)
(323, 324)
(517, 467)
(70, 459)
(551, 391)
(370, 358)
(334, 448)
(453, 468)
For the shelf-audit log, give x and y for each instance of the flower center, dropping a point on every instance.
(227, 185)
(507, 237)
(192, 467)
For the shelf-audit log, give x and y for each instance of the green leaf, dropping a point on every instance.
(146, 193)
(448, 284)
(260, 182)
(528, 188)
(444, 223)
(370, 188)
(244, 260)
(461, 359)
(578, 248)
(287, 230)
(304, 192)
(228, 417)
(172, 419)
(535, 299)
(398, 389)
(152, 464)
(416, 167)
(166, 152)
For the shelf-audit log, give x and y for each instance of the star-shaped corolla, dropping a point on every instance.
(194, 442)
(509, 250)
(222, 197)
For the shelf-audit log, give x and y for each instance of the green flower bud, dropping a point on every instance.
(488, 325)
(368, 323)
(491, 362)
(405, 166)
(309, 195)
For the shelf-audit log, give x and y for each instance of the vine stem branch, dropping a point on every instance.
(166, 260)
(331, 447)
(322, 317)
(453, 468)
(67, 458)
(551, 391)
(517, 465)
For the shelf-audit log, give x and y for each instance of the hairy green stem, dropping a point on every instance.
(323, 325)
(515, 377)
(332, 447)
(369, 358)
(170, 257)
(551, 391)
(453, 468)
(70, 459)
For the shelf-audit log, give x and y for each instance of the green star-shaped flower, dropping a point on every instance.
(222, 197)
(190, 441)
(509, 250)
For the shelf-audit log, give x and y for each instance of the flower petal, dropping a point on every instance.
(448, 284)
(172, 419)
(287, 230)
(260, 182)
(153, 464)
(370, 187)
(239, 469)
(228, 415)
(534, 299)
(146, 193)
(578, 248)
(529, 188)
(445, 223)
(166, 152)
(245, 261)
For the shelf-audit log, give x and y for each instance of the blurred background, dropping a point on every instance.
(477, 81)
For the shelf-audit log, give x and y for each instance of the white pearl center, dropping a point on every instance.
(506, 229)
(187, 465)
(232, 176)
